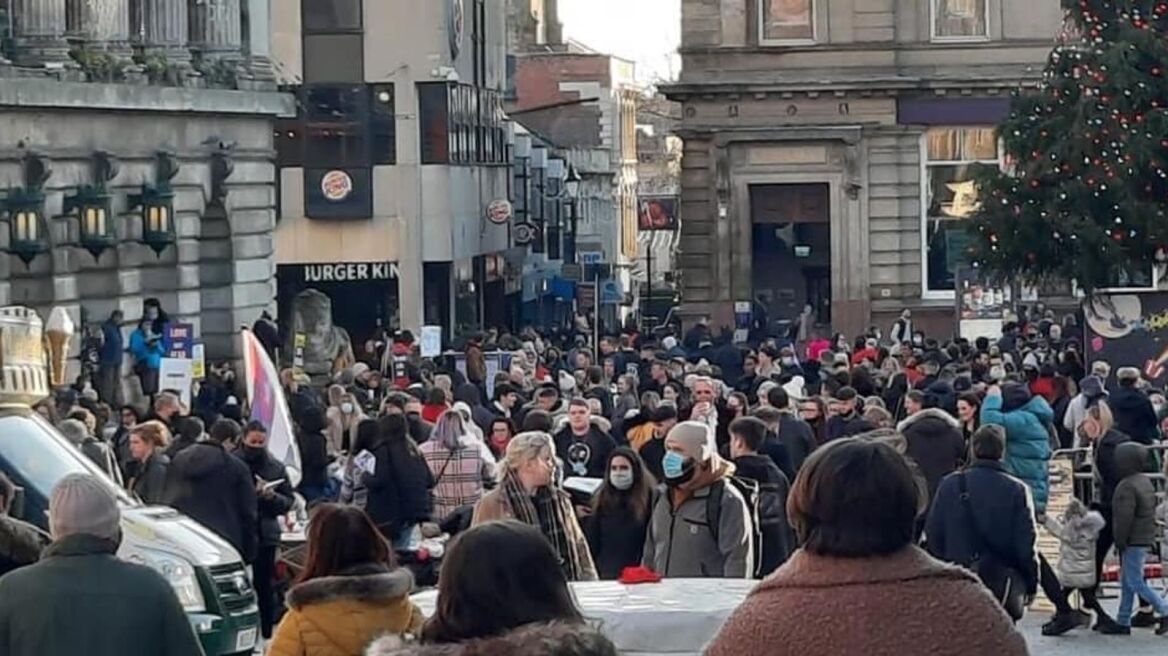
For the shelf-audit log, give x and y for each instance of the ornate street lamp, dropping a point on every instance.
(157, 205)
(93, 206)
(28, 233)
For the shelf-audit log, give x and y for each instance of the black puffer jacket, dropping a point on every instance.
(216, 489)
(399, 489)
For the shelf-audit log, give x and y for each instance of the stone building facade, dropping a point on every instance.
(110, 97)
(585, 104)
(829, 148)
(399, 147)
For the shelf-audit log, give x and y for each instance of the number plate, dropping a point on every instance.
(245, 640)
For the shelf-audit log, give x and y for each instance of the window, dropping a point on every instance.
(960, 19)
(461, 124)
(331, 15)
(786, 21)
(334, 128)
(953, 157)
(339, 126)
(333, 43)
(383, 124)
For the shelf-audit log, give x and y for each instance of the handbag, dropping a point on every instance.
(1004, 581)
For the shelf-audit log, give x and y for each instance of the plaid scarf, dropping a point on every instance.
(548, 510)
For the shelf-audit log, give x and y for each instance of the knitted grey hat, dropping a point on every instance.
(82, 504)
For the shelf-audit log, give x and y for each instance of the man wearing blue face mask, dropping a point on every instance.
(700, 526)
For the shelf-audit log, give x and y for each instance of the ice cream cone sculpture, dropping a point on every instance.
(58, 333)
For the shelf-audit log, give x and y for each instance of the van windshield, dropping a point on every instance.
(35, 456)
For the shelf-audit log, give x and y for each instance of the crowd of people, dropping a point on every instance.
(808, 458)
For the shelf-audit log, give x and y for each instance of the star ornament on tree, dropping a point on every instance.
(1086, 195)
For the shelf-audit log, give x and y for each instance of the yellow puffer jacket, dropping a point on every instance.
(341, 615)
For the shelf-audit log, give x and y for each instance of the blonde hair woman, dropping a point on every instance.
(147, 441)
(344, 415)
(528, 493)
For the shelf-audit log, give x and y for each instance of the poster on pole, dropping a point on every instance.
(743, 316)
(431, 346)
(180, 338)
(177, 375)
(657, 213)
(198, 361)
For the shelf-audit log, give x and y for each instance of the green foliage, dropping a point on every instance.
(1087, 198)
(97, 66)
(216, 72)
(158, 70)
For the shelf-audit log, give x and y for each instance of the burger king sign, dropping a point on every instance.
(336, 186)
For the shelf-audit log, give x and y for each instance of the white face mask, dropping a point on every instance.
(621, 479)
(347, 408)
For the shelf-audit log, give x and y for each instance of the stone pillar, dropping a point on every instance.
(99, 24)
(40, 32)
(259, 38)
(216, 28)
(164, 29)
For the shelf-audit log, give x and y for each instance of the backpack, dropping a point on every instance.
(758, 497)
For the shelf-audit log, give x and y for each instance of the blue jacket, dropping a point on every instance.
(1027, 440)
(150, 355)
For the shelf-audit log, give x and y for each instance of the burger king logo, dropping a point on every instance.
(336, 186)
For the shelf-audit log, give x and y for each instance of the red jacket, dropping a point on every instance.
(1043, 387)
(431, 412)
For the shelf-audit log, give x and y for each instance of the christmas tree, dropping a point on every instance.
(1084, 193)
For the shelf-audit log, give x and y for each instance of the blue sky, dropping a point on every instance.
(646, 31)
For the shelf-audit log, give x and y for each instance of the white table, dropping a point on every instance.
(676, 617)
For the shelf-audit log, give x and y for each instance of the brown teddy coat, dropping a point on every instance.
(905, 604)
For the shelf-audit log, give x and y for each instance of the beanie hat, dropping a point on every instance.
(692, 439)
(669, 342)
(81, 504)
(1092, 388)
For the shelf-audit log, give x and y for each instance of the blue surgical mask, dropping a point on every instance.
(673, 464)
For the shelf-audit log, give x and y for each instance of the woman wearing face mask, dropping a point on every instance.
(502, 430)
(343, 419)
(620, 514)
(528, 492)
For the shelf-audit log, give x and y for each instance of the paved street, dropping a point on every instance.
(1085, 642)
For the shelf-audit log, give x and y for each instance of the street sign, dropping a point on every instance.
(572, 272)
(591, 257)
(586, 296)
(524, 233)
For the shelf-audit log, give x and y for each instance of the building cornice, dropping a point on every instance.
(883, 47)
(89, 96)
(868, 87)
